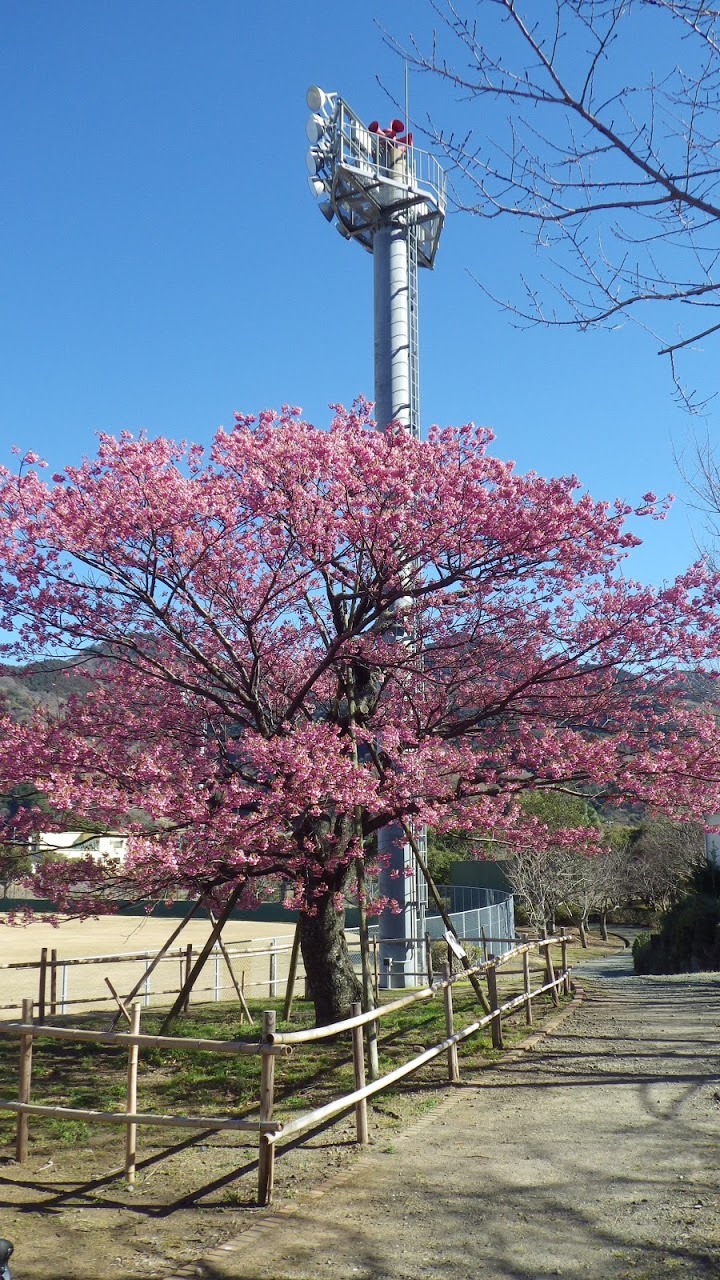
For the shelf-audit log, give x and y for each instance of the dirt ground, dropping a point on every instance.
(594, 1155)
(117, 934)
(113, 935)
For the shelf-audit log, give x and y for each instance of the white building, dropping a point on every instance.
(79, 844)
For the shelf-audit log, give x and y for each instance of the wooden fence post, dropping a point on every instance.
(266, 1157)
(497, 1033)
(528, 988)
(184, 981)
(53, 982)
(453, 1067)
(42, 984)
(428, 959)
(563, 953)
(361, 1118)
(24, 1085)
(132, 1074)
(550, 976)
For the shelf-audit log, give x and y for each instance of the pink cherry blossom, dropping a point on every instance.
(300, 628)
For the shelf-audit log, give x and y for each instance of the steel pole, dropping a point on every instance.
(392, 328)
(398, 931)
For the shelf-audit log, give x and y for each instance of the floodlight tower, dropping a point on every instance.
(383, 192)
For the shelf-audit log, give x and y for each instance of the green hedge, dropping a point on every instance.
(688, 941)
(270, 912)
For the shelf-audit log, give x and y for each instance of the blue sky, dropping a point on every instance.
(164, 263)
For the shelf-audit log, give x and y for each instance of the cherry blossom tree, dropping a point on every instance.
(307, 635)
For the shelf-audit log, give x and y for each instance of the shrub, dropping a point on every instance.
(439, 951)
(687, 942)
(641, 952)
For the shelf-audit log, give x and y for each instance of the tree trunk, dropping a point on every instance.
(603, 926)
(583, 932)
(333, 983)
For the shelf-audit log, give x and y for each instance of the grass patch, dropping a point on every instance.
(67, 1133)
(175, 1081)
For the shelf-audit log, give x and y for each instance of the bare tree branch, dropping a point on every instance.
(598, 123)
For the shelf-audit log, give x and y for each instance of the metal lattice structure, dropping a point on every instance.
(378, 187)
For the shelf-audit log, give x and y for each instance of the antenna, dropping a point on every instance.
(390, 197)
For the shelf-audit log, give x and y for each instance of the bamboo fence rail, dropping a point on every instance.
(357, 1099)
(273, 1044)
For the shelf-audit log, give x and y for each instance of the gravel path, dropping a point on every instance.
(595, 1154)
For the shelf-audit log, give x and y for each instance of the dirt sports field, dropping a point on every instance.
(592, 1153)
(132, 933)
(121, 936)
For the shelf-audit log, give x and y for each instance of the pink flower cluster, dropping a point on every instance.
(307, 634)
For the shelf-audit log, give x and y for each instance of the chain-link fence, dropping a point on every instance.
(478, 914)
(236, 969)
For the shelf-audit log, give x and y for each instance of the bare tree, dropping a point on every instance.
(545, 875)
(609, 875)
(539, 878)
(662, 860)
(597, 122)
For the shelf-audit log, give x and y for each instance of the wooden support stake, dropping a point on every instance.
(550, 976)
(361, 1118)
(24, 1085)
(184, 980)
(53, 982)
(484, 944)
(442, 909)
(161, 953)
(292, 974)
(497, 1032)
(132, 1073)
(452, 1053)
(266, 1160)
(428, 959)
(376, 973)
(120, 1003)
(42, 984)
(368, 977)
(239, 991)
(528, 988)
(199, 964)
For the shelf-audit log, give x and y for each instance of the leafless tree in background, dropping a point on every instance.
(663, 859)
(598, 123)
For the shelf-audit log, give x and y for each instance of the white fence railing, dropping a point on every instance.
(258, 966)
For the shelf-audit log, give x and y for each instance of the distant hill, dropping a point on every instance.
(701, 689)
(47, 684)
(50, 682)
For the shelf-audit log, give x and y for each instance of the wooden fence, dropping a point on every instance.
(272, 1044)
(251, 967)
